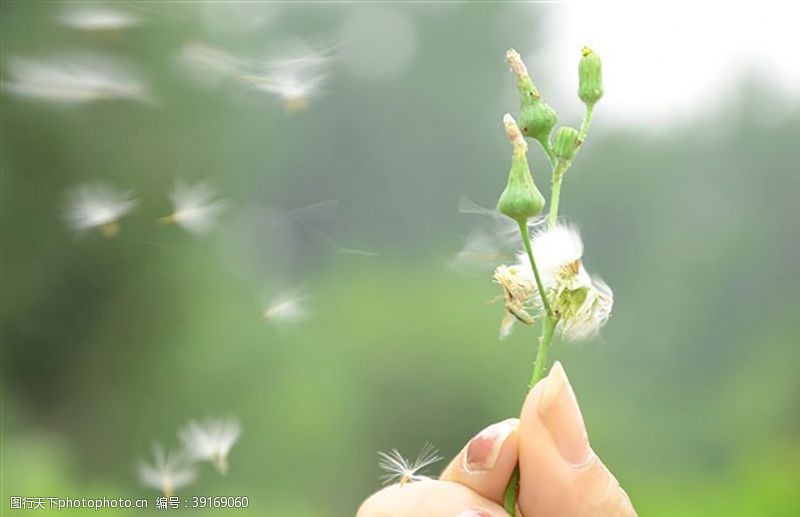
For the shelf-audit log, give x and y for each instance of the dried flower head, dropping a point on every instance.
(581, 303)
(516, 65)
(518, 290)
(211, 440)
(194, 207)
(401, 470)
(97, 205)
(168, 473)
(73, 80)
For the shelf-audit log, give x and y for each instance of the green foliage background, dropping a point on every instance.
(691, 396)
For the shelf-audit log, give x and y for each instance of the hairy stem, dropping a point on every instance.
(539, 365)
(545, 339)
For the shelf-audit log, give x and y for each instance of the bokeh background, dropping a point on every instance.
(686, 194)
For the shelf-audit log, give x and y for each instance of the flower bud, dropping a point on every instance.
(566, 143)
(521, 199)
(536, 117)
(590, 77)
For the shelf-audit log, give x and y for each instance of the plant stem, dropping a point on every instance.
(548, 150)
(561, 166)
(545, 339)
(548, 329)
(555, 193)
(526, 240)
(587, 120)
(512, 491)
(550, 321)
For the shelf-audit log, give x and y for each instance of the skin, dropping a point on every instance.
(560, 475)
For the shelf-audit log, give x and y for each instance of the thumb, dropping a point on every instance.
(560, 475)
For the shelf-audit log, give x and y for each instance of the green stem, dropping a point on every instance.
(526, 240)
(587, 120)
(548, 328)
(561, 166)
(545, 339)
(555, 193)
(512, 493)
(548, 150)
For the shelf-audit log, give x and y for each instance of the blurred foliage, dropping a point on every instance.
(691, 396)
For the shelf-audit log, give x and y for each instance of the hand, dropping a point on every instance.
(559, 473)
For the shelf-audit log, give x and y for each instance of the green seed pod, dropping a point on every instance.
(536, 118)
(566, 143)
(521, 199)
(590, 77)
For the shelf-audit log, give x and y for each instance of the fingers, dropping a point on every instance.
(431, 499)
(559, 472)
(485, 464)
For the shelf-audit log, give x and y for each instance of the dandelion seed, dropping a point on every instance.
(288, 308)
(98, 18)
(168, 473)
(294, 79)
(195, 207)
(401, 470)
(210, 66)
(97, 205)
(73, 80)
(581, 303)
(294, 91)
(211, 441)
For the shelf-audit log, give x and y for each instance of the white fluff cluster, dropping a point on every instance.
(581, 303)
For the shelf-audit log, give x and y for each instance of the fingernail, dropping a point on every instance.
(560, 414)
(474, 512)
(484, 449)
